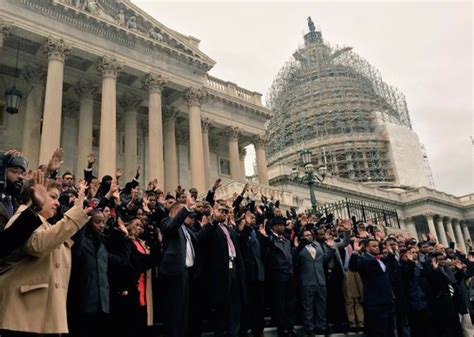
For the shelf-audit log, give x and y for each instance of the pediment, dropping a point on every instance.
(123, 15)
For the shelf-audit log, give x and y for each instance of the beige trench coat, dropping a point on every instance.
(33, 292)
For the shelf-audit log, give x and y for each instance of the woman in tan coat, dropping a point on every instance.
(33, 290)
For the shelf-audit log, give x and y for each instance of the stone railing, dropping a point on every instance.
(233, 90)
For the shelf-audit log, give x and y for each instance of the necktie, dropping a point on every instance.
(189, 248)
(230, 244)
(7, 202)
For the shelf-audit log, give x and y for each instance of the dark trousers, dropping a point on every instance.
(336, 308)
(198, 306)
(420, 323)
(253, 313)
(227, 310)
(313, 300)
(90, 325)
(176, 303)
(8, 333)
(123, 314)
(283, 302)
(379, 321)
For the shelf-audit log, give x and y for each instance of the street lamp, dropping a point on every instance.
(311, 175)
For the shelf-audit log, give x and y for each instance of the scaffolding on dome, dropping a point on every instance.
(328, 98)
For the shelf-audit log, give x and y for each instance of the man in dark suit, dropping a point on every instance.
(253, 255)
(179, 253)
(280, 259)
(312, 284)
(226, 272)
(378, 295)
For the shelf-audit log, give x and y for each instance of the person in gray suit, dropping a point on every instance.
(312, 284)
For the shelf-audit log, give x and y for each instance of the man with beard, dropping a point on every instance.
(13, 168)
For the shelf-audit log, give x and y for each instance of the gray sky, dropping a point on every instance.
(422, 48)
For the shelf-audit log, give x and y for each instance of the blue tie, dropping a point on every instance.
(7, 201)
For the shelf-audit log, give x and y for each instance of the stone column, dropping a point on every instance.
(129, 104)
(33, 75)
(56, 50)
(262, 169)
(431, 226)
(109, 68)
(459, 236)
(450, 231)
(206, 124)
(156, 169)
(86, 91)
(465, 230)
(5, 29)
(170, 154)
(234, 157)
(242, 154)
(441, 231)
(410, 225)
(195, 96)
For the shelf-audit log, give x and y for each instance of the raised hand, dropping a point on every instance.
(410, 256)
(190, 202)
(138, 171)
(79, 202)
(90, 160)
(217, 184)
(434, 263)
(118, 174)
(248, 218)
(40, 194)
(357, 246)
(56, 160)
(246, 188)
(121, 226)
(261, 229)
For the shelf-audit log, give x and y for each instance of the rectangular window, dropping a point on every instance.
(224, 166)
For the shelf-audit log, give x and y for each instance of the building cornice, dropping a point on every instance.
(114, 32)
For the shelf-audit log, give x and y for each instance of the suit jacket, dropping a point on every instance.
(16, 234)
(33, 292)
(4, 216)
(280, 256)
(252, 254)
(377, 288)
(174, 244)
(217, 259)
(311, 271)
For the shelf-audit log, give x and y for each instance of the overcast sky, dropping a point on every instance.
(422, 48)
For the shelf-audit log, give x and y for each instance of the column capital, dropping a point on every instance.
(56, 49)
(213, 144)
(260, 141)
(129, 101)
(242, 153)
(109, 66)
(86, 89)
(70, 108)
(154, 82)
(195, 96)
(169, 112)
(34, 74)
(183, 137)
(5, 29)
(428, 216)
(206, 124)
(234, 133)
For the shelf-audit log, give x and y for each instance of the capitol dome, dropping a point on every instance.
(331, 101)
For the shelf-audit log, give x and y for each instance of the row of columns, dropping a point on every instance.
(162, 134)
(442, 227)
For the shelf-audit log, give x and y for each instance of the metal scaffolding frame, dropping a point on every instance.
(326, 97)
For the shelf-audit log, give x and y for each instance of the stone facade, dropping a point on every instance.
(111, 72)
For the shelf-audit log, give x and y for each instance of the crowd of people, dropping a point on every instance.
(91, 256)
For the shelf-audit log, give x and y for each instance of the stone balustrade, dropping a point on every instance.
(233, 90)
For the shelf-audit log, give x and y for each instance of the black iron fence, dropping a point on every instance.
(378, 214)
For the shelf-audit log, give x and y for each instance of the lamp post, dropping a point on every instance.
(311, 175)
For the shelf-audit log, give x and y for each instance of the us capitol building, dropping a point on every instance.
(106, 77)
